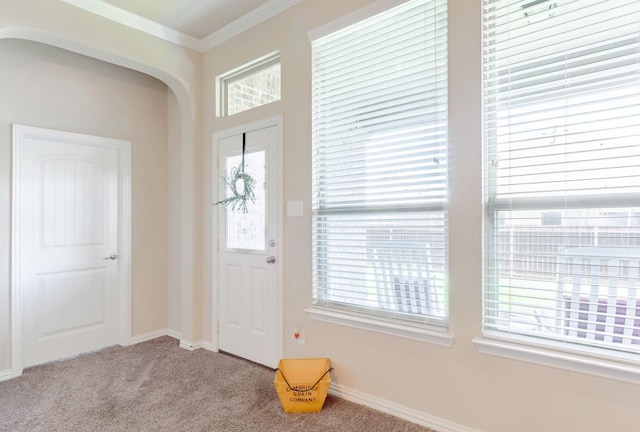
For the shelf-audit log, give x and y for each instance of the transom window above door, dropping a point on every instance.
(251, 85)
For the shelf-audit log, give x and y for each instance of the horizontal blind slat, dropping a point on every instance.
(379, 169)
(561, 120)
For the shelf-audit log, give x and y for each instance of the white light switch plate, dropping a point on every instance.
(294, 209)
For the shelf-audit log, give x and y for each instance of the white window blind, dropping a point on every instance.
(561, 172)
(380, 165)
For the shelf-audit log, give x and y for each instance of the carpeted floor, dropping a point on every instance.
(157, 386)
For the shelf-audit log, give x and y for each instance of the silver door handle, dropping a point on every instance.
(111, 257)
(271, 259)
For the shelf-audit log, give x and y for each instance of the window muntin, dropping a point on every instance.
(380, 166)
(562, 138)
(255, 84)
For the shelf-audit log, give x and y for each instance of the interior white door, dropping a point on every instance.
(249, 295)
(68, 236)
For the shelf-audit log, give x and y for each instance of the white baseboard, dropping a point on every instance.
(192, 346)
(396, 410)
(174, 334)
(6, 375)
(208, 346)
(188, 345)
(153, 335)
(184, 344)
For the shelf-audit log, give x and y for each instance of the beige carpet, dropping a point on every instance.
(157, 386)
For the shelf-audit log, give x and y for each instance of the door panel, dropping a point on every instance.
(71, 301)
(73, 200)
(69, 225)
(259, 301)
(232, 297)
(249, 296)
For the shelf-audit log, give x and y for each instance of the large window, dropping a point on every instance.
(561, 173)
(380, 166)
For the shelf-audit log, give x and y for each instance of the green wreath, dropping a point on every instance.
(242, 189)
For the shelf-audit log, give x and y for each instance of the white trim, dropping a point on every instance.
(17, 349)
(173, 333)
(124, 242)
(442, 338)
(352, 18)
(188, 345)
(253, 18)
(192, 346)
(19, 132)
(129, 19)
(7, 374)
(248, 127)
(184, 344)
(207, 346)
(545, 356)
(145, 337)
(234, 28)
(247, 69)
(396, 410)
(276, 121)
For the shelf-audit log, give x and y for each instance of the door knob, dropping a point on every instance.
(271, 259)
(111, 257)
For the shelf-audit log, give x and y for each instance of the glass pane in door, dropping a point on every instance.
(248, 230)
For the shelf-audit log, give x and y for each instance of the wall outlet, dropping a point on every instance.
(298, 335)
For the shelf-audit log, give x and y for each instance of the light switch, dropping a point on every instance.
(294, 209)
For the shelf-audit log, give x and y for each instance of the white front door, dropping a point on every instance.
(249, 294)
(68, 272)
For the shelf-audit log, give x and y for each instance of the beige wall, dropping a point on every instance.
(455, 384)
(52, 88)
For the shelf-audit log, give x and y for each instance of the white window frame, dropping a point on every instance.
(253, 67)
(425, 333)
(609, 363)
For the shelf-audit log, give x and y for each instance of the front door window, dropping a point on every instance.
(248, 230)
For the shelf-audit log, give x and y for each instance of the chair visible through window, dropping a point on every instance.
(404, 280)
(598, 294)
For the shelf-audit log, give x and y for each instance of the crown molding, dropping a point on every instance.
(255, 17)
(113, 13)
(107, 10)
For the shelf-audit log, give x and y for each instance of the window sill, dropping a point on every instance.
(524, 349)
(389, 328)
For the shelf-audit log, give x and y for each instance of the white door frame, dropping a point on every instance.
(21, 132)
(215, 231)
